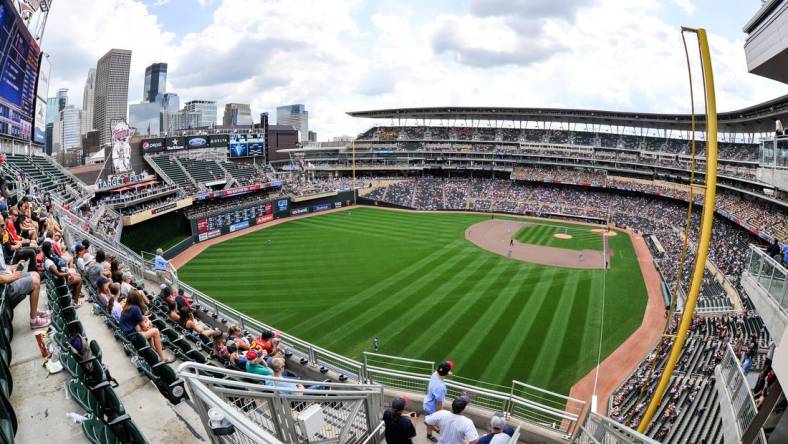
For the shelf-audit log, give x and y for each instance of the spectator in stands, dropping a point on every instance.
(98, 268)
(57, 266)
(399, 428)
(182, 300)
(133, 319)
(17, 249)
(219, 346)
(436, 394)
(115, 304)
(191, 324)
(125, 285)
(499, 432)
(234, 335)
(785, 254)
(278, 366)
(19, 284)
(453, 426)
(774, 250)
(255, 364)
(79, 254)
(102, 291)
(172, 311)
(162, 267)
(116, 271)
(89, 258)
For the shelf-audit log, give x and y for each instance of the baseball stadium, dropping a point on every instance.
(499, 274)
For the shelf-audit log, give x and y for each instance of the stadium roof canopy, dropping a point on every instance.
(754, 119)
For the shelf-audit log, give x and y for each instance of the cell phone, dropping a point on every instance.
(22, 265)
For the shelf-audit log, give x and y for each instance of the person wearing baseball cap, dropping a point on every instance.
(399, 425)
(454, 427)
(254, 364)
(436, 393)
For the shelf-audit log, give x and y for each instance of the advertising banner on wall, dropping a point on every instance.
(150, 146)
(197, 142)
(175, 143)
(221, 140)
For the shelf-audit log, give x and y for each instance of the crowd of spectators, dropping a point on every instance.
(646, 143)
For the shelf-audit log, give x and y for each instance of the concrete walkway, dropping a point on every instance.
(41, 400)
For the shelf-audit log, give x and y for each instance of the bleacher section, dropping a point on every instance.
(174, 171)
(203, 170)
(47, 174)
(185, 172)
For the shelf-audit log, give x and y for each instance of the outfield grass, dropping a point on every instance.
(543, 233)
(412, 280)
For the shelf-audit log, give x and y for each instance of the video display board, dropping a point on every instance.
(215, 225)
(19, 60)
(42, 91)
(246, 145)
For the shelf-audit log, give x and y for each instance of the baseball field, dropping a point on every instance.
(414, 281)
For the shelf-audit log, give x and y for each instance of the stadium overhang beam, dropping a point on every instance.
(752, 120)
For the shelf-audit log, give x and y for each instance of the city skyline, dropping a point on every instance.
(580, 54)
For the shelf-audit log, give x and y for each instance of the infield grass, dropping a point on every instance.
(412, 280)
(543, 233)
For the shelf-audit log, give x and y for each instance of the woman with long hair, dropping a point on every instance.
(133, 319)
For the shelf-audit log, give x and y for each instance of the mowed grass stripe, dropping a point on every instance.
(413, 280)
(508, 352)
(389, 309)
(555, 333)
(354, 302)
(421, 312)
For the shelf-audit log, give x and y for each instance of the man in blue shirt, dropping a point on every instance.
(436, 394)
(785, 254)
(162, 267)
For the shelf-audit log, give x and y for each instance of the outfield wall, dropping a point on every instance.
(238, 219)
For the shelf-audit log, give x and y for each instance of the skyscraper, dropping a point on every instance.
(146, 117)
(237, 114)
(62, 98)
(206, 109)
(296, 116)
(66, 134)
(155, 81)
(88, 95)
(112, 92)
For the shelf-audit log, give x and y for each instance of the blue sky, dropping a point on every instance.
(342, 55)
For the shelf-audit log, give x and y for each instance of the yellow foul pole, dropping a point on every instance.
(705, 231)
(353, 148)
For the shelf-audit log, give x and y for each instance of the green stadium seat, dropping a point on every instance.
(82, 396)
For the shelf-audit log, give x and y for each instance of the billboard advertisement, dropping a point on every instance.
(175, 143)
(246, 145)
(19, 59)
(121, 150)
(220, 141)
(40, 121)
(197, 142)
(152, 146)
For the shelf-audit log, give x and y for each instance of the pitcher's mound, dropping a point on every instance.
(604, 232)
(562, 236)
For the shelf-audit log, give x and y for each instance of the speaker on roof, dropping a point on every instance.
(779, 128)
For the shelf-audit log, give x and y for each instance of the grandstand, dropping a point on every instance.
(186, 371)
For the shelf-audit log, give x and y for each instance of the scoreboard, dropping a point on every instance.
(217, 224)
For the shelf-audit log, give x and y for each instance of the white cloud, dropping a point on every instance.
(587, 54)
